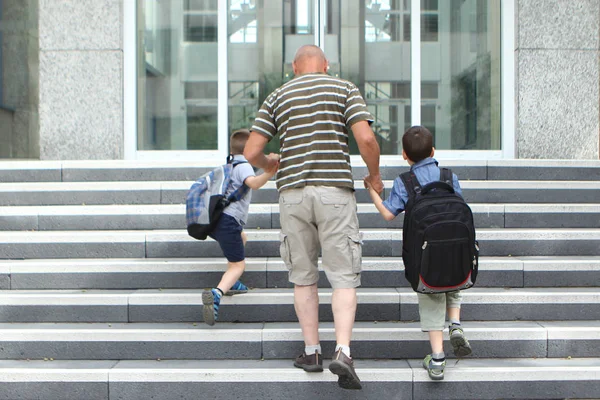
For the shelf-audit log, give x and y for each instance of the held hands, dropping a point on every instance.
(374, 182)
(273, 164)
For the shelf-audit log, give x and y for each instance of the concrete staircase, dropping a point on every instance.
(101, 291)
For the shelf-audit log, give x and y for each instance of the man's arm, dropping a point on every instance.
(256, 182)
(369, 151)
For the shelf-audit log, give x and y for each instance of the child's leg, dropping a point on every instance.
(232, 275)
(460, 344)
(432, 311)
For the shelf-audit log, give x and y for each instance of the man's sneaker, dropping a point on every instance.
(434, 369)
(343, 367)
(460, 344)
(211, 300)
(237, 288)
(310, 363)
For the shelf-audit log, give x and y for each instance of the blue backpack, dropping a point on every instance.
(206, 199)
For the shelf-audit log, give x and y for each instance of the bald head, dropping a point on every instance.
(309, 59)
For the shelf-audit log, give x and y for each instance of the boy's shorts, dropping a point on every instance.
(228, 233)
(432, 309)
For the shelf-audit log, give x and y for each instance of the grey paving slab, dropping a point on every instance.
(18, 222)
(562, 271)
(258, 305)
(528, 304)
(385, 340)
(139, 172)
(25, 194)
(510, 378)
(130, 341)
(30, 171)
(555, 170)
(54, 380)
(127, 273)
(123, 244)
(253, 380)
(567, 340)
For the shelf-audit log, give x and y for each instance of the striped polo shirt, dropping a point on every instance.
(312, 115)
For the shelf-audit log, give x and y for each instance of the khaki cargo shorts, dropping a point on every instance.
(320, 219)
(432, 309)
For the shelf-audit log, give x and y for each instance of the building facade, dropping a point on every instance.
(169, 79)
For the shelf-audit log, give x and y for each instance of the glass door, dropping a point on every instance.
(205, 66)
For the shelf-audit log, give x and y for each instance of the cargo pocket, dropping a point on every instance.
(284, 250)
(355, 242)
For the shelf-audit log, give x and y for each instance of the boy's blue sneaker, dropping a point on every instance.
(460, 344)
(237, 288)
(211, 300)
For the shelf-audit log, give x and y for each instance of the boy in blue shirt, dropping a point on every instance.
(229, 230)
(417, 150)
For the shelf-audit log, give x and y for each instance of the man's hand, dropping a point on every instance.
(374, 182)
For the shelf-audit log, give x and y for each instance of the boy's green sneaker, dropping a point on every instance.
(435, 370)
(460, 344)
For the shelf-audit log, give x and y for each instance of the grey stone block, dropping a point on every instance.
(535, 247)
(54, 390)
(88, 99)
(261, 221)
(533, 173)
(553, 220)
(75, 197)
(257, 390)
(5, 281)
(565, 195)
(85, 25)
(131, 350)
(18, 222)
(499, 278)
(71, 250)
(578, 28)
(253, 313)
(555, 86)
(530, 389)
(572, 348)
(82, 174)
(63, 313)
(529, 312)
(48, 174)
(111, 222)
(124, 280)
(564, 278)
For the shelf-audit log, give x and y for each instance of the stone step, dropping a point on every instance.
(174, 192)
(89, 170)
(381, 340)
(266, 243)
(477, 379)
(266, 216)
(143, 273)
(277, 305)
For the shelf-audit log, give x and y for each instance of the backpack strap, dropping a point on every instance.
(242, 190)
(446, 176)
(411, 183)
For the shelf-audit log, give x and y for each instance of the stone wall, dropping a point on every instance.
(557, 72)
(81, 79)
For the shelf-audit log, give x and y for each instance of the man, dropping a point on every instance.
(312, 115)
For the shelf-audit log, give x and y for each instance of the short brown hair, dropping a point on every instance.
(238, 140)
(417, 143)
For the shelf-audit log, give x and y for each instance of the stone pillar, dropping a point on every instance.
(557, 73)
(81, 79)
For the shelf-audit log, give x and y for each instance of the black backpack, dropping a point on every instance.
(439, 249)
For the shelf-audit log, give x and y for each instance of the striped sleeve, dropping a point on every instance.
(264, 123)
(356, 110)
